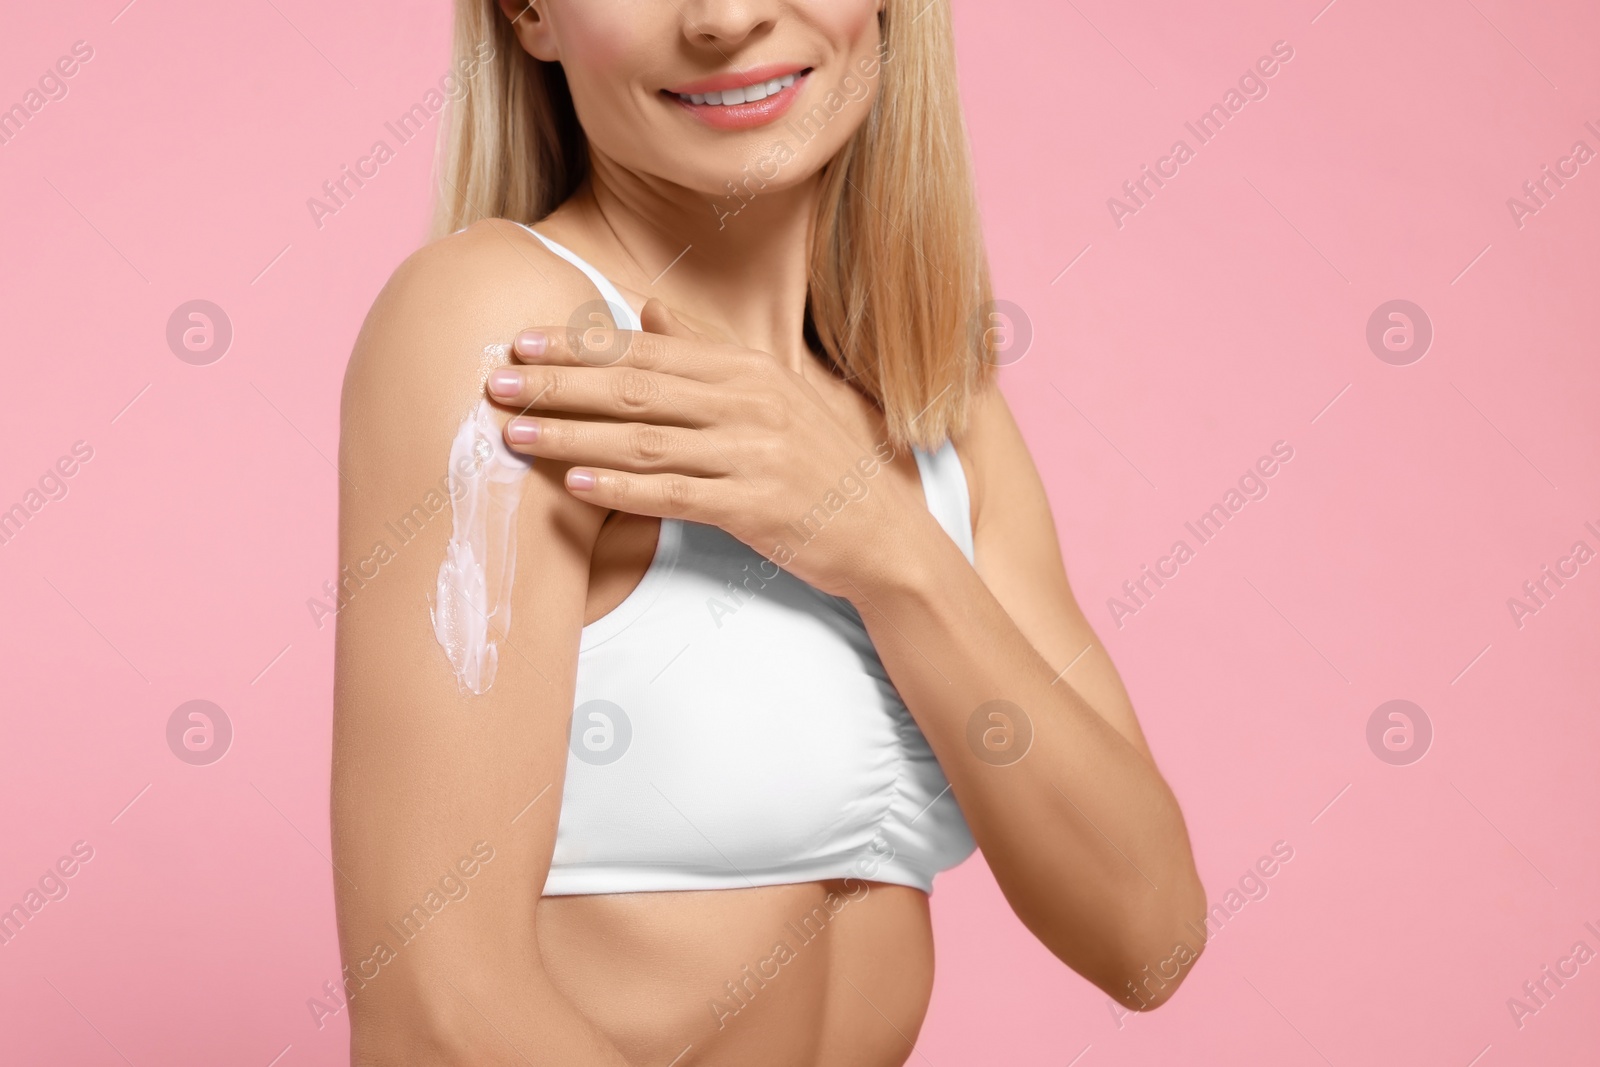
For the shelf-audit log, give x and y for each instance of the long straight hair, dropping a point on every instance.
(899, 295)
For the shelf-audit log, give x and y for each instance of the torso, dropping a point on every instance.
(651, 970)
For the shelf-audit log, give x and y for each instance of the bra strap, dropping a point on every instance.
(944, 483)
(622, 312)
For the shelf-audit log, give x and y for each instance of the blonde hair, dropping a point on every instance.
(899, 294)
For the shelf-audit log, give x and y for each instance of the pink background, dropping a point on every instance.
(1228, 313)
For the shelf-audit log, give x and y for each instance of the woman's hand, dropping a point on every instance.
(712, 433)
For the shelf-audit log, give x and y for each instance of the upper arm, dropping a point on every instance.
(426, 774)
(1018, 555)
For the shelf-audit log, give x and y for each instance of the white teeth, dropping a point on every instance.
(745, 95)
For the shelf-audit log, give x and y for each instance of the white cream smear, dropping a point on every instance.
(471, 609)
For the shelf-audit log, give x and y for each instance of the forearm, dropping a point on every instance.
(1082, 833)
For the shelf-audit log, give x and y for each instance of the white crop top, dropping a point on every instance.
(733, 726)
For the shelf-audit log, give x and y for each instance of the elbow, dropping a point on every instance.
(1161, 949)
(1148, 984)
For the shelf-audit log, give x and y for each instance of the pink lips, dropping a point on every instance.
(741, 116)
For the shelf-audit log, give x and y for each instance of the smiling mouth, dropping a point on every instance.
(746, 94)
(741, 107)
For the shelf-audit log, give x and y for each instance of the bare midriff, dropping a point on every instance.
(836, 973)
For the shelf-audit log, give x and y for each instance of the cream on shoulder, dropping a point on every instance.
(471, 608)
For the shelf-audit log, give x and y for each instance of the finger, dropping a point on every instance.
(639, 447)
(686, 355)
(619, 392)
(586, 346)
(675, 496)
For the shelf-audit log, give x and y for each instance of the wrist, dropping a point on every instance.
(906, 564)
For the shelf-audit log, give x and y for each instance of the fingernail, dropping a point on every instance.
(505, 382)
(522, 431)
(531, 343)
(579, 479)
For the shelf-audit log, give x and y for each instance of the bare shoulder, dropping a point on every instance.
(446, 312)
(438, 327)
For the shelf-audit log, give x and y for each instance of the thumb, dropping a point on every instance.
(656, 317)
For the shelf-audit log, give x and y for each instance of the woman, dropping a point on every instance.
(680, 649)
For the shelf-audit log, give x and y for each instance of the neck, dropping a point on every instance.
(727, 266)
